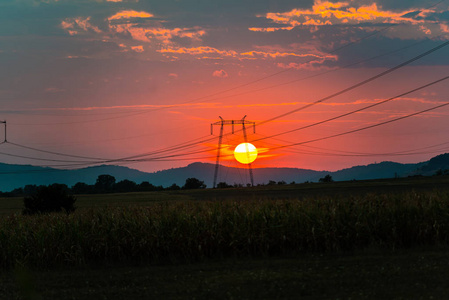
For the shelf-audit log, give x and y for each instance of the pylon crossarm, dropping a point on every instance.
(222, 123)
(230, 122)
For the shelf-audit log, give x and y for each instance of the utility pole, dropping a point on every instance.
(5, 140)
(222, 123)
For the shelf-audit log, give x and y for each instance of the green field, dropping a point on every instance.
(359, 240)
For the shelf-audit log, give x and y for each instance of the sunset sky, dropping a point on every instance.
(112, 79)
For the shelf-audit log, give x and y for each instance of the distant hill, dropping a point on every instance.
(15, 176)
(205, 172)
(440, 162)
(386, 169)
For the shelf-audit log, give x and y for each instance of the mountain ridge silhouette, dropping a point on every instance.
(15, 176)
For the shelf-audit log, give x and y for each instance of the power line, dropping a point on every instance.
(193, 144)
(363, 128)
(323, 73)
(309, 141)
(54, 153)
(206, 140)
(358, 110)
(42, 159)
(345, 153)
(188, 145)
(229, 89)
(390, 70)
(361, 109)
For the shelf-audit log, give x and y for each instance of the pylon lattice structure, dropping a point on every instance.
(222, 123)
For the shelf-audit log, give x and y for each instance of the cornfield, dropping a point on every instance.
(197, 230)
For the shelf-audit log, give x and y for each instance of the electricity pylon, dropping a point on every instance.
(222, 123)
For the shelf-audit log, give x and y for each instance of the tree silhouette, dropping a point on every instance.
(105, 183)
(29, 189)
(82, 188)
(327, 178)
(146, 186)
(52, 198)
(193, 183)
(125, 186)
(173, 187)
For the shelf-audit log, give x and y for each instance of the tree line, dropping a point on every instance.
(59, 197)
(108, 184)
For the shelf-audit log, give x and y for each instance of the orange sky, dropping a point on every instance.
(107, 80)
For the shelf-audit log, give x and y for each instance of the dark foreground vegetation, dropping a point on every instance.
(197, 230)
(411, 274)
(286, 244)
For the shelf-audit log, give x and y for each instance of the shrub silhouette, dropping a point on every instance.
(193, 183)
(327, 178)
(82, 188)
(45, 199)
(223, 185)
(173, 187)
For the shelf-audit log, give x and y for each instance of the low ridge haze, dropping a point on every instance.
(19, 175)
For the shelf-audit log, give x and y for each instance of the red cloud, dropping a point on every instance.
(313, 56)
(152, 30)
(128, 14)
(123, 23)
(220, 73)
(328, 13)
(76, 25)
(277, 54)
(199, 51)
(159, 33)
(137, 48)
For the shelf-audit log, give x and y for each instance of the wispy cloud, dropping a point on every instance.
(137, 48)
(220, 73)
(328, 13)
(199, 105)
(349, 13)
(310, 57)
(128, 29)
(277, 54)
(53, 90)
(161, 34)
(79, 25)
(141, 26)
(128, 14)
(199, 51)
(106, 108)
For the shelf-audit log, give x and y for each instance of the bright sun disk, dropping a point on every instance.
(245, 153)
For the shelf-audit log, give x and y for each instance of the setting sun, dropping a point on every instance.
(245, 153)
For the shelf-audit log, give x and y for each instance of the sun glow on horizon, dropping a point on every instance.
(245, 153)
